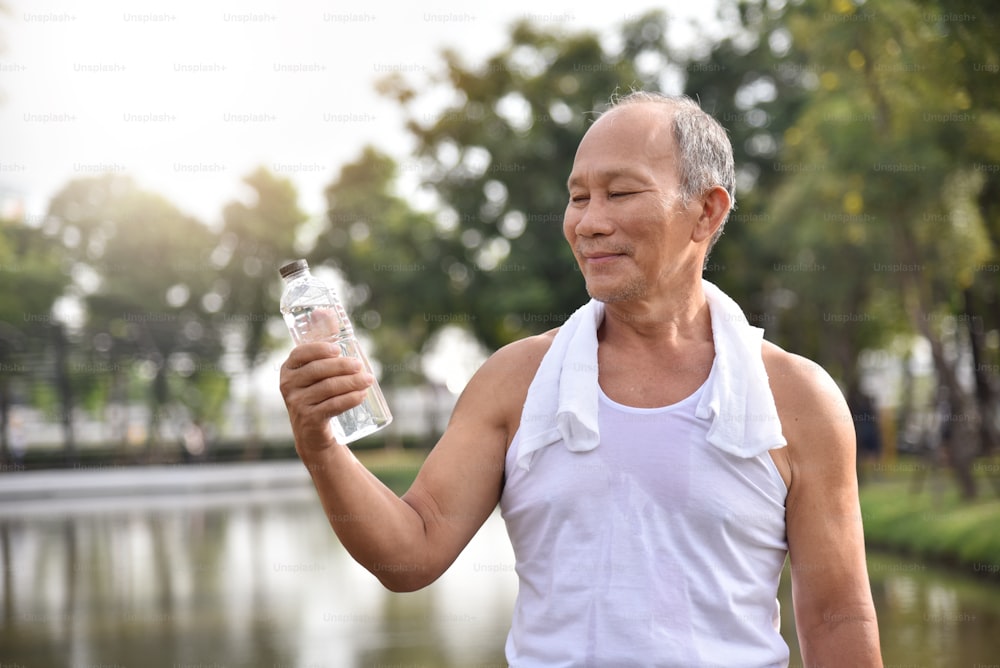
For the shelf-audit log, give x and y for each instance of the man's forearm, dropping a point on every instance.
(381, 531)
(842, 640)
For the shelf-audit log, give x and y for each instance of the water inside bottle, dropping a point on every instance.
(324, 323)
(312, 313)
(369, 416)
(351, 425)
(315, 323)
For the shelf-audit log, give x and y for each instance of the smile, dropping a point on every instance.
(601, 259)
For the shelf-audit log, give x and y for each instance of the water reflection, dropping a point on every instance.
(929, 617)
(257, 579)
(258, 582)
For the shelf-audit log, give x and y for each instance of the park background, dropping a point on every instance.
(158, 163)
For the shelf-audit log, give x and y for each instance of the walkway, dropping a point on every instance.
(126, 486)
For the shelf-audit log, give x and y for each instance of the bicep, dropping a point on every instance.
(460, 482)
(825, 543)
(825, 534)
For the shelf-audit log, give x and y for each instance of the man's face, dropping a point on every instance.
(626, 221)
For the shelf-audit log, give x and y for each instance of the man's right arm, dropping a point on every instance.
(408, 542)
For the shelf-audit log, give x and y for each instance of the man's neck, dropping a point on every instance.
(679, 316)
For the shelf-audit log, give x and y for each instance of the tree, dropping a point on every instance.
(827, 104)
(498, 156)
(139, 265)
(400, 265)
(32, 280)
(981, 299)
(888, 144)
(257, 236)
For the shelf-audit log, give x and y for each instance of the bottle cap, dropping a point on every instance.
(293, 268)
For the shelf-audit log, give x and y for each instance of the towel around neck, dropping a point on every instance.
(561, 405)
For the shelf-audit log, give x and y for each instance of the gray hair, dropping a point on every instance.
(706, 154)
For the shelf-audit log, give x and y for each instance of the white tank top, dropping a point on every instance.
(653, 549)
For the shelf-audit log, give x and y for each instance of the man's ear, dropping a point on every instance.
(715, 205)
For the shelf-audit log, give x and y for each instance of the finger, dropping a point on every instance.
(311, 424)
(318, 380)
(313, 361)
(304, 353)
(327, 388)
(334, 406)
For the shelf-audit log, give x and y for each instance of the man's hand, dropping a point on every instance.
(319, 383)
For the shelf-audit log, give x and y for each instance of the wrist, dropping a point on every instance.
(311, 437)
(318, 454)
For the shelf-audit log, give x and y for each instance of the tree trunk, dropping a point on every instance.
(962, 421)
(5, 454)
(252, 447)
(158, 396)
(961, 443)
(986, 395)
(118, 407)
(64, 388)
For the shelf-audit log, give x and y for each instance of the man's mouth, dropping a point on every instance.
(601, 256)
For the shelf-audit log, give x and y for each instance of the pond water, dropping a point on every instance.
(258, 579)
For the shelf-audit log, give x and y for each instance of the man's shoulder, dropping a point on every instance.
(520, 359)
(538, 344)
(794, 375)
(805, 395)
(498, 389)
(510, 370)
(810, 404)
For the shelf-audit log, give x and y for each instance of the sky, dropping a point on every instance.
(190, 96)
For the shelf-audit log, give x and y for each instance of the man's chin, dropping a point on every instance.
(614, 295)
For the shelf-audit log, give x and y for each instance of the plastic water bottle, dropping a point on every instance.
(313, 313)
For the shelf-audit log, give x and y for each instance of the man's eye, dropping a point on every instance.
(620, 194)
(576, 199)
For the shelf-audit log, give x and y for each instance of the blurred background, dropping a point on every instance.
(159, 162)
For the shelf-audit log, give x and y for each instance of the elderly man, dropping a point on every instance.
(654, 459)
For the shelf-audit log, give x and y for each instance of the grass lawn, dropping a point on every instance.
(931, 521)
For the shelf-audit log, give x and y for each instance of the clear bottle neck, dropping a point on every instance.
(296, 275)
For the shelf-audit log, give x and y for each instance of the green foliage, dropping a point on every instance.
(498, 157)
(140, 266)
(32, 278)
(397, 261)
(257, 237)
(754, 82)
(867, 144)
(872, 202)
(889, 194)
(203, 393)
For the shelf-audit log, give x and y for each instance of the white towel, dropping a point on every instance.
(561, 404)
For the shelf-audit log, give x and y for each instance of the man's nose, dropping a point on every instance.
(595, 220)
